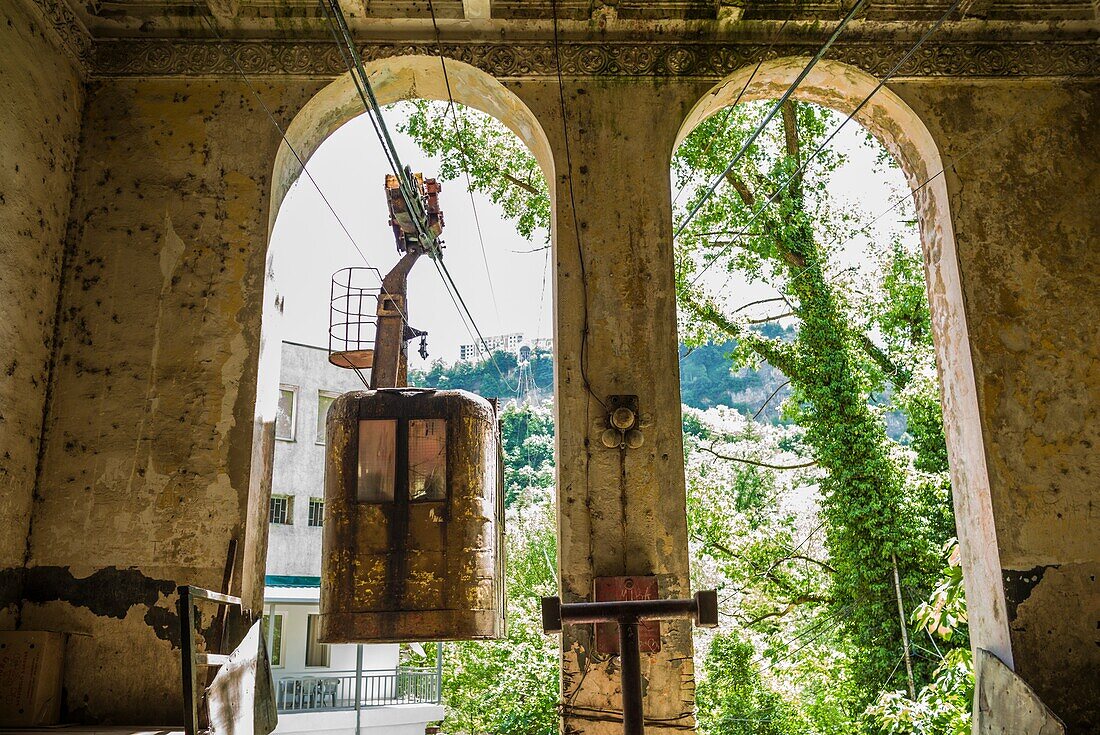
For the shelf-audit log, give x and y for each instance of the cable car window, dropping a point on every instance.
(427, 459)
(377, 460)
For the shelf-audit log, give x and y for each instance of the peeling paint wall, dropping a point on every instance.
(146, 472)
(1022, 172)
(39, 134)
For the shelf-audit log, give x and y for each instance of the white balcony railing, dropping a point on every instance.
(335, 690)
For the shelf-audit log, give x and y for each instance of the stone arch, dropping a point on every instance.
(842, 87)
(393, 80)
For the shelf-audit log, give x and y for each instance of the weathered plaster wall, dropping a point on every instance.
(150, 433)
(41, 97)
(1021, 161)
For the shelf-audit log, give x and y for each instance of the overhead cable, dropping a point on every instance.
(771, 114)
(409, 193)
(354, 62)
(821, 147)
(466, 170)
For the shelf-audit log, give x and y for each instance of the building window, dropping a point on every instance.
(316, 512)
(316, 652)
(281, 510)
(324, 400)
(273, 636)
(285, 417)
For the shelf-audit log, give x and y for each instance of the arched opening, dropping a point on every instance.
(293, 395)
(887, 117)
(394, 80)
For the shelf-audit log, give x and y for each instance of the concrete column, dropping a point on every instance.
(1021, 174)
(621, 511)
(39, 137)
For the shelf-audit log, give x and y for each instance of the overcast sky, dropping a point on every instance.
(349, 167)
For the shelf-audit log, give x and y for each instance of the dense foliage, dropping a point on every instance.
(878, 523)
(808, 498)
(733, 699)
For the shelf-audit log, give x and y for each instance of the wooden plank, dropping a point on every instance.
(211, 659)
(186, 608)
(198, 593)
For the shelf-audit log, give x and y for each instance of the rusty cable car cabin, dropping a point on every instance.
(413, 502)
(413, 535)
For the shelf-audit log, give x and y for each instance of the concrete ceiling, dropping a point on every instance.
(501, 19)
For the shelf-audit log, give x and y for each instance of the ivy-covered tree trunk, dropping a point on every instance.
(831, 365)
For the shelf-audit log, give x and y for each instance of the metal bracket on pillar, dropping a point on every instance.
(623, 423)
(702, 608)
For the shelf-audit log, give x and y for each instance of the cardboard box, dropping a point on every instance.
(31, 665)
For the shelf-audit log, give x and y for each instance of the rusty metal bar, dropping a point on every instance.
(702, 608)
(630, 662)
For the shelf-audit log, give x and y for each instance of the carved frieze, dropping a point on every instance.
(709, 60)
(72, 36)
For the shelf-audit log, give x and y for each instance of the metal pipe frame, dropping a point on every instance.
(702, 609)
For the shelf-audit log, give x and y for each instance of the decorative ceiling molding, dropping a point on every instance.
(71, 35)
(532, 59)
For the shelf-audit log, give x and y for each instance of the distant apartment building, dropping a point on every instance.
(316, 683)
(503, 343)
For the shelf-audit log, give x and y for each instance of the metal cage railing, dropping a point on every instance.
(353, 303)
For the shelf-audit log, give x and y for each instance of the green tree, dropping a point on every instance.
(872, 518)
(528, 438)
(733, 699)
(510, 686)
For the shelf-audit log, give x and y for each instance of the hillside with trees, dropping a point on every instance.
(708, 378)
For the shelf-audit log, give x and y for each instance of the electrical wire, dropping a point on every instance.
(573, 210)
(440, 265)
(771, 114)
(839, 243)
(220, 42)
(282, 132)
(465, 154)
(779, 189)
(380, 130)
(729, 110)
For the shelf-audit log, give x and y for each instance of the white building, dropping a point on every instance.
(315, 683)
(502, 342)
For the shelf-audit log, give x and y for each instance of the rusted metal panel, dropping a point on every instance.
(421, 562)
(608, 589)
